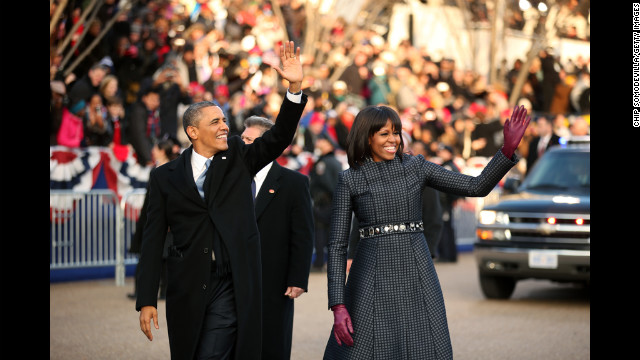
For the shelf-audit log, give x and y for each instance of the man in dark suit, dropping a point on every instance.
(214, 285)
(447, 249)
(545, 139)
(143, 124)
(285, 220)
(323, 178)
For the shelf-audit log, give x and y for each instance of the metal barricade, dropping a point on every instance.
(93, 229)
(131, 205)
(84, 229)
(465, 212)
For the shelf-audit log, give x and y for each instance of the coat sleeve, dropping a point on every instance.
(153, 239)
(457, 183)
(302, 235)
(274, 141)
(339, 242)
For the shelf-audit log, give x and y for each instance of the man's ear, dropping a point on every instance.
(192, 131)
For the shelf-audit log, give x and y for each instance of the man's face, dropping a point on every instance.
(324, 146)
(250, 134)
(544, 127)
(151, 100)
(445, 155)
(94, 101)
(96, 76)
(211, 132)
(418, 148)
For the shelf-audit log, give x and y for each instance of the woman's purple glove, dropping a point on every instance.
(342, 328)
(514, 129)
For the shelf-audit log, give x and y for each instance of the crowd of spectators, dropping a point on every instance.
(180, 52)
(570, 17)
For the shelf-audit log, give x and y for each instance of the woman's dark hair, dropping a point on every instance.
(368, 121)
(166, 146)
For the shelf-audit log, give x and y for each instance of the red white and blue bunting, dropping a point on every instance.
(92, 168)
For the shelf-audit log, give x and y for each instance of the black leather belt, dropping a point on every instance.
(409, 226)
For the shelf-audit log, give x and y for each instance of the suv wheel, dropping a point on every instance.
(497, 287)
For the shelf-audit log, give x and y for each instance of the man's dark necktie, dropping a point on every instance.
(201, 178)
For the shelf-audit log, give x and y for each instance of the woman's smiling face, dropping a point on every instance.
(384, 142)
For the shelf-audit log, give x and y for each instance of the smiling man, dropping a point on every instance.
(214, 302)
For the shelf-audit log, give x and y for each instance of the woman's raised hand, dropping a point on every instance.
(514, 128)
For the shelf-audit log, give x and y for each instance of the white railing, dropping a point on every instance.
(93, 229)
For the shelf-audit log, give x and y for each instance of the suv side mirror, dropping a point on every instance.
(511, 185)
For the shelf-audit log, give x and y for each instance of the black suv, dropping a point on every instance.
(538, 228)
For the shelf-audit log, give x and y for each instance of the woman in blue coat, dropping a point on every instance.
(391, 306)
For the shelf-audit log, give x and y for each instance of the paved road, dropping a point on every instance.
(95, 320)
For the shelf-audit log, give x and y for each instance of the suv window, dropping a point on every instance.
(561, 170)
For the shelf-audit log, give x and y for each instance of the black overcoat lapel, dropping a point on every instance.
(215, 174)
(182, 177)
(268, 189)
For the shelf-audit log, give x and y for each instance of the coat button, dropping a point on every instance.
(206, 250)
(204, 287)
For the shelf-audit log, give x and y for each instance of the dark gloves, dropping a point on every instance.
(514, 129)
(342, 328)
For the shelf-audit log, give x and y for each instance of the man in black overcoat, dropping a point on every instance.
(214, 292)
(323, 178)
(447, 249)
(285, 220)
(545, 139)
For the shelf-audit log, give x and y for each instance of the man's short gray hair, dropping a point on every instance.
(260, 122)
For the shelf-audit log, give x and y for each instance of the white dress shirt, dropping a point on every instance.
(260, 176)
(296, 98)
(198, 164)
(542, 144)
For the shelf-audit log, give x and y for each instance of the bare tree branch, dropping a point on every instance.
(537, 43)
(124, 8)
(56, 16)
(278, 13)
(80, 21)
(79, 40)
